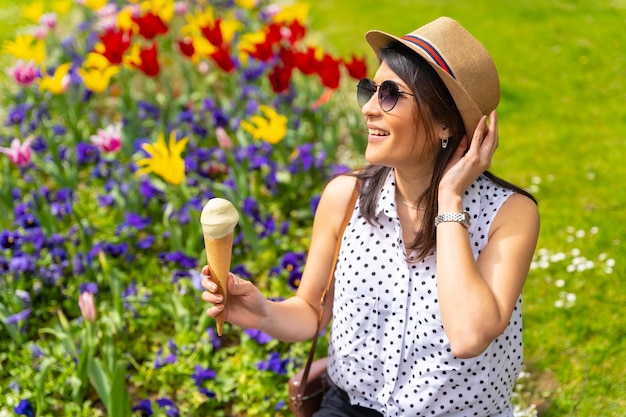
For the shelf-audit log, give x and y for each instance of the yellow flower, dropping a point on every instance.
(246, 4)
(202, 47)
(247, 44)
(33, 11)
(26, 47)
(229, 28)
(96, 79)
(96, 60)
(58, 82)
(62, 6)
(162, 8)
(132, 58)
(298, 11)
(95, 5)
(164, 161)
(271, 129)
(124, 19)
(200, 19)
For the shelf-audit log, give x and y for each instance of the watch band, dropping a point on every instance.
(462, 217)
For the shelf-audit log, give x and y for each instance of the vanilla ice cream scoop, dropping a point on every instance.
(219, 218)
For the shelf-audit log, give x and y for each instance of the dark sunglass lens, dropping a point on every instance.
(364, 91)
(388, 95)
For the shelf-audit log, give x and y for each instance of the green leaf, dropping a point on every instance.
(100, 381)
(11, 329)
(42, 378)
(119, 401)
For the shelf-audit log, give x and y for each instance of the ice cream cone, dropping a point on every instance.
(218, 255)
(218, 220)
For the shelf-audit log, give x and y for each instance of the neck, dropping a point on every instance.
(409, 189)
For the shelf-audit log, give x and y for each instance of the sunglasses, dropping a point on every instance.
(388, 93)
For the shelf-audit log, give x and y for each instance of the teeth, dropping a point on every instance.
(376, 132)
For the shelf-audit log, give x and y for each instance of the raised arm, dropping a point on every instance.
(477, 297)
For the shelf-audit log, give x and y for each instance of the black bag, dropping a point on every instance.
(308, 386)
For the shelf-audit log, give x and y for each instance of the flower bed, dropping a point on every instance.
(121, 121)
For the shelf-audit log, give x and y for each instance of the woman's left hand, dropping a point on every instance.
(463, 169)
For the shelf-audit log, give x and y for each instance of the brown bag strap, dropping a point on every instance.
(309, 361)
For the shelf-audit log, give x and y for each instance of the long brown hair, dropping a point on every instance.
(436, 107)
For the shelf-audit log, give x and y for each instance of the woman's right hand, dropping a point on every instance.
(245, 305)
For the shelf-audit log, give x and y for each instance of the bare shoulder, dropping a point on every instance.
(335, 199)
(340, 188)
(519, 212)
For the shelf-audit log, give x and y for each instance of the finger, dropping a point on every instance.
(493, 126)
(208, 284)
(234, 284)
(478, 137)
(205, 270)
(212, 298)
(215, 310)
(491, 139)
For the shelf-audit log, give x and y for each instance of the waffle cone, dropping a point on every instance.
(218, 254)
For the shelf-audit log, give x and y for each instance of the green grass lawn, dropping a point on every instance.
(563, 134)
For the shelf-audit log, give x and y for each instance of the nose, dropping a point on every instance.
(371, 107)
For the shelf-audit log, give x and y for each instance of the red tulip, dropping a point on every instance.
(214, 33)
(185, 46)
(150, 25)
(306, 61)
(223, 60)
(328, 70)
(149, 62)
(356, 68)
(116, 42)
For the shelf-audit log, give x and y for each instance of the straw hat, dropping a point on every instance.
(461, 61)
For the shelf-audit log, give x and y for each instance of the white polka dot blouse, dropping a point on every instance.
(388, 349)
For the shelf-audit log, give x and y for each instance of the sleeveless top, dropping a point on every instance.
(388, 349)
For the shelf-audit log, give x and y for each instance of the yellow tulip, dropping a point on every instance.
(246, 4)
(124, 20)
(58, 82)
(62, 6)
(33, 11)
(164, 160)
(97, 80)
(298, 11)
(271, 129)
(162, 8)
(95, 5)
(27, 48)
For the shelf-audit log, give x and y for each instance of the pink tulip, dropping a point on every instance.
(110, 139)
(223, 139)
(48, 20)
(24, 73)
(181, 8)
(19, 153)
(87, 306)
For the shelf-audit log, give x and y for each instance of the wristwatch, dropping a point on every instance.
(462, 217)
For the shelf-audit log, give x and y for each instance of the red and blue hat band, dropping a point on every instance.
(431, 51)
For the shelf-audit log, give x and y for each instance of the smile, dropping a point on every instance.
(376, 132)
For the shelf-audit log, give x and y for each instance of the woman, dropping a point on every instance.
(425, 311)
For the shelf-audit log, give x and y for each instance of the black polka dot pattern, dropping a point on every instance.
(388, 349)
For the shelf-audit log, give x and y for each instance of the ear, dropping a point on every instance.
(443, 132)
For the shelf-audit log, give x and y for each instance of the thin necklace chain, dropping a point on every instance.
(410, 205)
